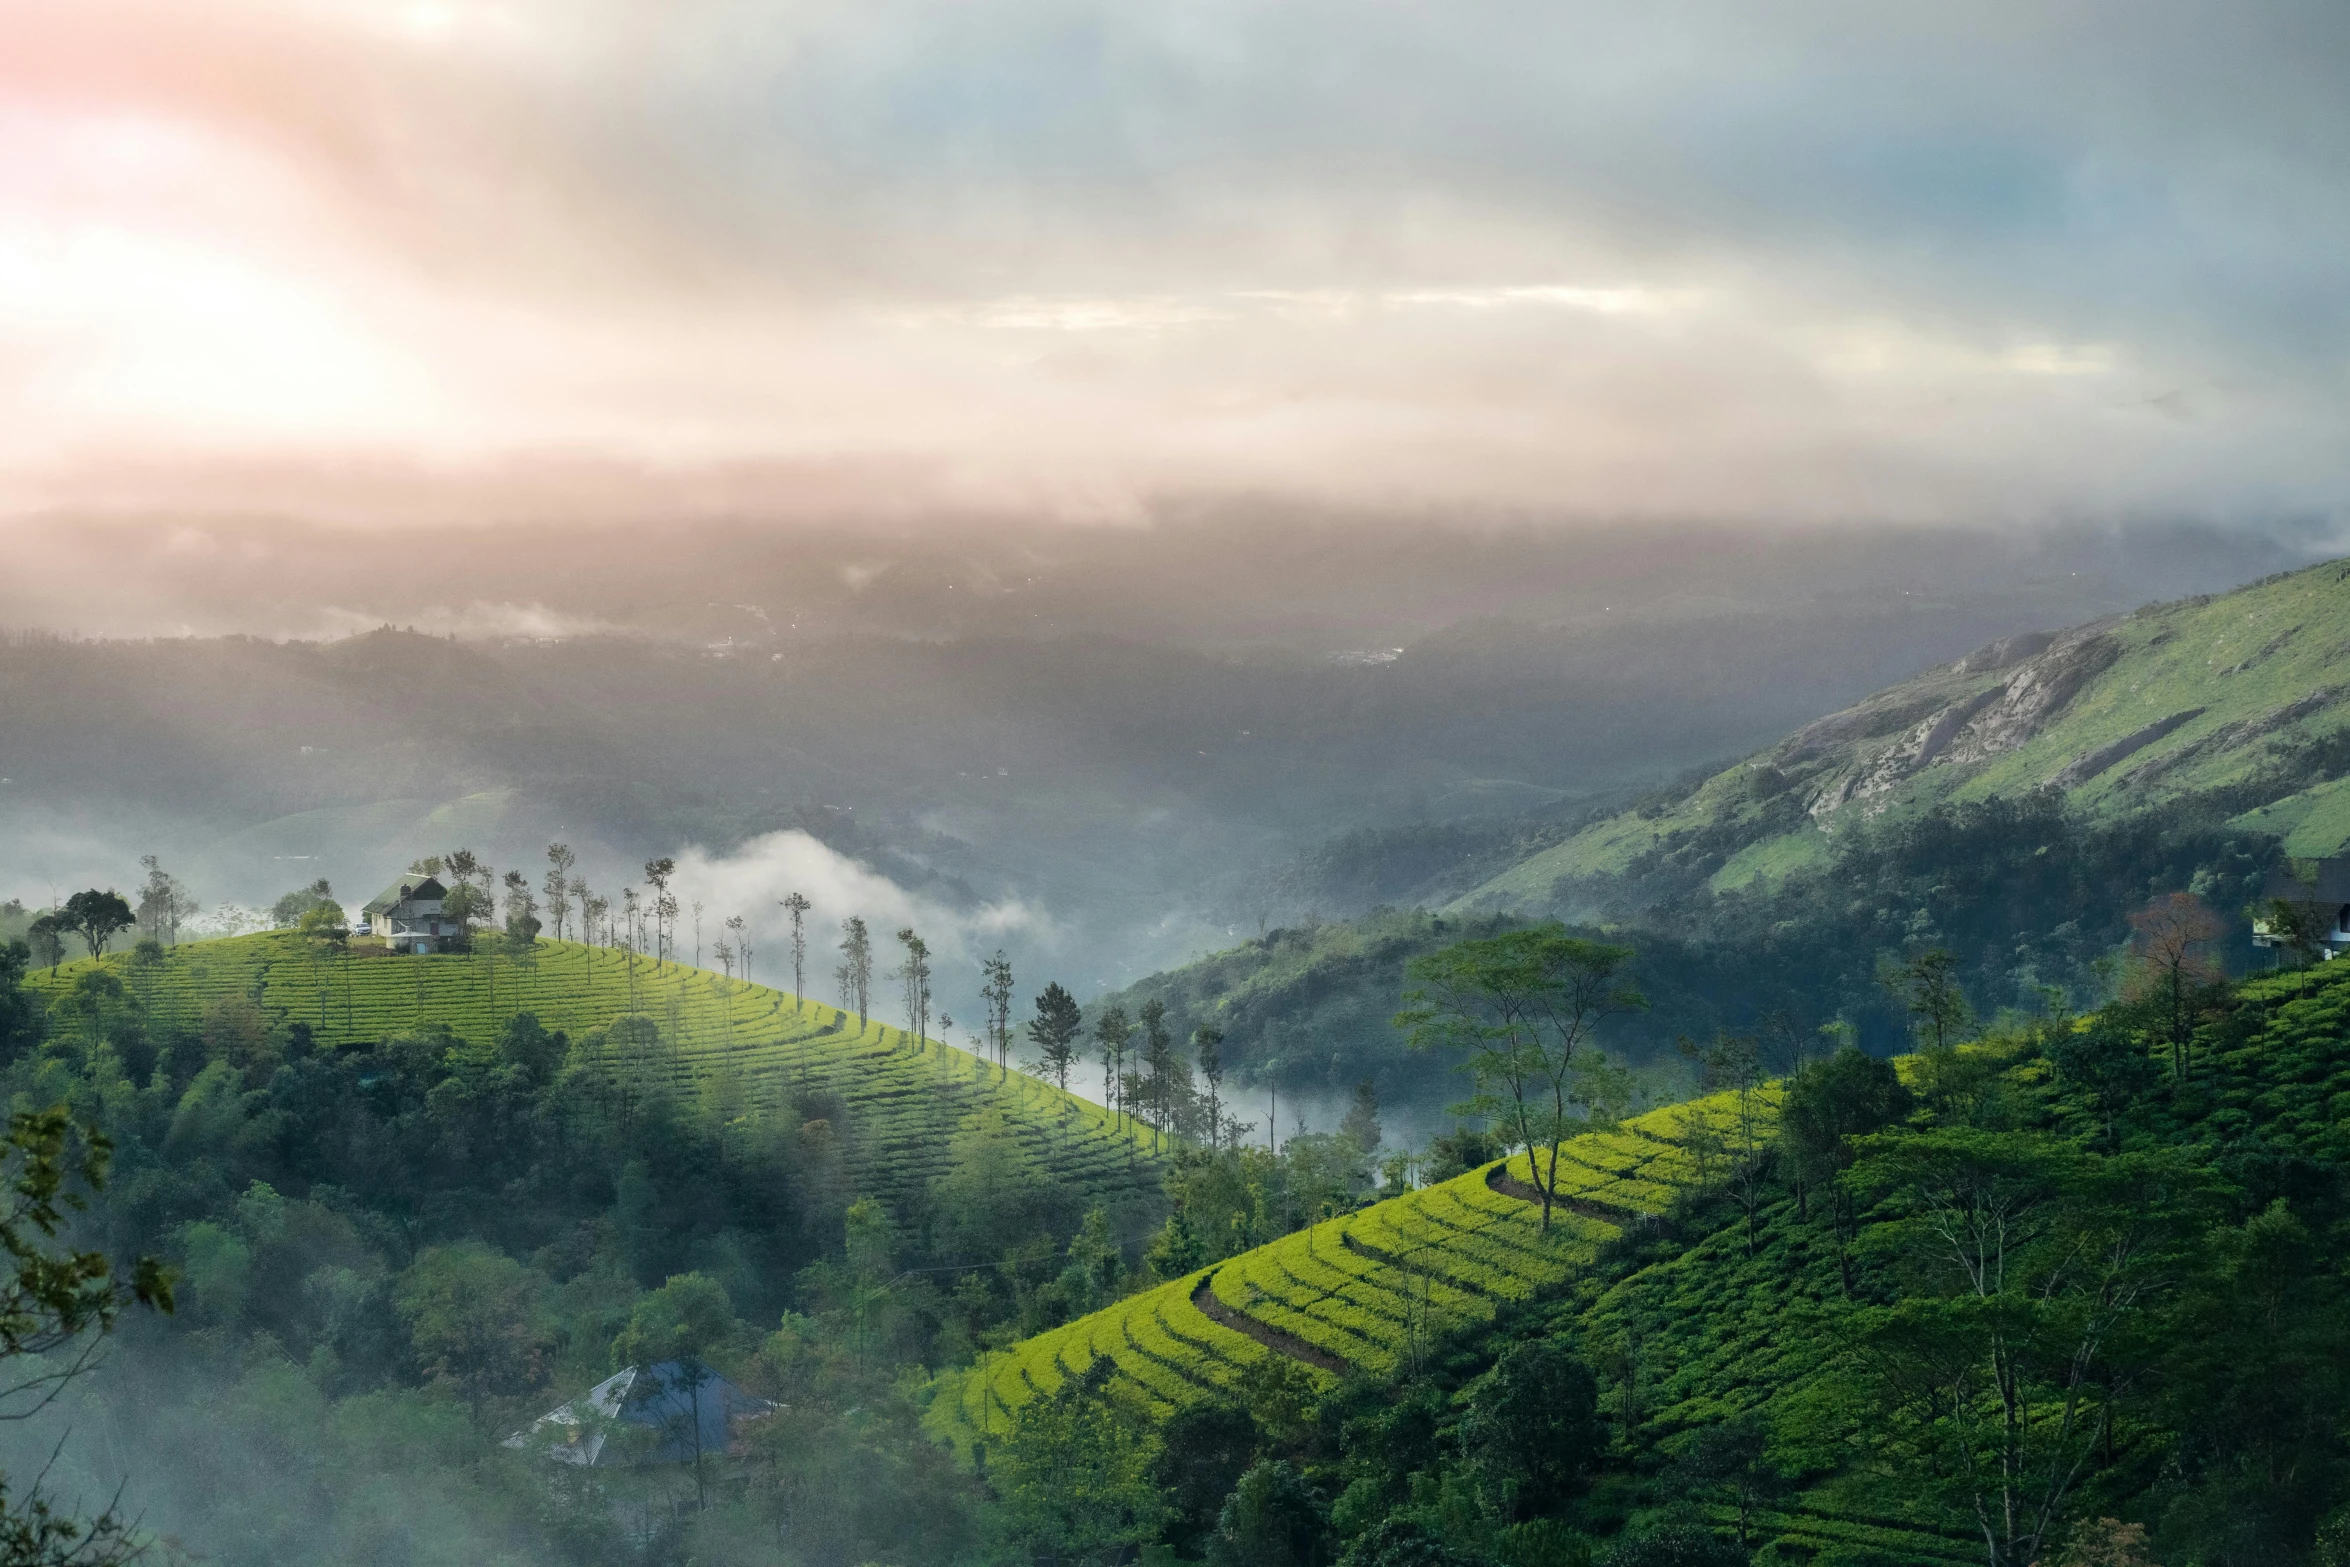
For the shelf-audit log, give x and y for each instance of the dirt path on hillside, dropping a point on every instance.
(1499, 1179)
(1204, 1297)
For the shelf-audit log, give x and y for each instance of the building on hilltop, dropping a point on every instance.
(674, 1412)
(407, 915)
(2305, 906)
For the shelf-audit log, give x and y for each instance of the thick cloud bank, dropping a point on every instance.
(1821, 259)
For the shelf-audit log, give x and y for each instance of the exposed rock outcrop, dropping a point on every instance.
(1879, 716)
(2035, 693)
(1985, 724)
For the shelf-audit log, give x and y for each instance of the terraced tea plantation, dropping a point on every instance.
(1371, 1290)
(902, 1097)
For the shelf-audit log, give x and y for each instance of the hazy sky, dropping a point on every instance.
(2002, 260)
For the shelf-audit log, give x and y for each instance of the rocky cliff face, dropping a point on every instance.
(1956, 730)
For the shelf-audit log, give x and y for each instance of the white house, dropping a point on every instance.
(407, 915)
(2322, 896)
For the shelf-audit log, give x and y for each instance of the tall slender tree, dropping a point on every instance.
(663, 908)
(856, 969)
(996, 990)
(1113, 1029)
(163, 902)
(522, 910)
(914, 972)
(1206, 1041)
(630, 908)
(558, 886)
(1158, 1056)
(469, 897)
(797, 907)
(1054, 1032)
(2170, 939)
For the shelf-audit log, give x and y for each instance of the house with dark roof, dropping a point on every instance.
(2306, 902)
(407, 915)
(672, 1412)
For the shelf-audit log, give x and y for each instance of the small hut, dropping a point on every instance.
(671, 1412)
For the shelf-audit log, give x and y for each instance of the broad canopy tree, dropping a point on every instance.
(96, 917)
(1520, 1007)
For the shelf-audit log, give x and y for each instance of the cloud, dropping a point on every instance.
(752, 882)
(1817, 259)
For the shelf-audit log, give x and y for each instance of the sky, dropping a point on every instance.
(483, 259)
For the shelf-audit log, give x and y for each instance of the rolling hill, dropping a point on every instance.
(1696, 1316)
(900, 1097)
(2236, 702)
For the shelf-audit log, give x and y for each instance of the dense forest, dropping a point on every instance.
(2029, 895)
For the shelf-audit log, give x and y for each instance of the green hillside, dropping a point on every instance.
(900, 1098)
(2181, 1214)
(1373, 1291)
(2236, 701)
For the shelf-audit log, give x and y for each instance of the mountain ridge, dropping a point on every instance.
(2232, 702)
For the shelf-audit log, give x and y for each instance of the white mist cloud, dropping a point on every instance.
(753, 882)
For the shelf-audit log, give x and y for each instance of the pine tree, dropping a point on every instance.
(1054, 1032)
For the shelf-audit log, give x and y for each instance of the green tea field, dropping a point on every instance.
(1375, 1290)
(1371, 1290)
(901, 1097)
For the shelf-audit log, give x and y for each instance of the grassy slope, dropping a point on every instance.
(2265, 664)
(901, 1099)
